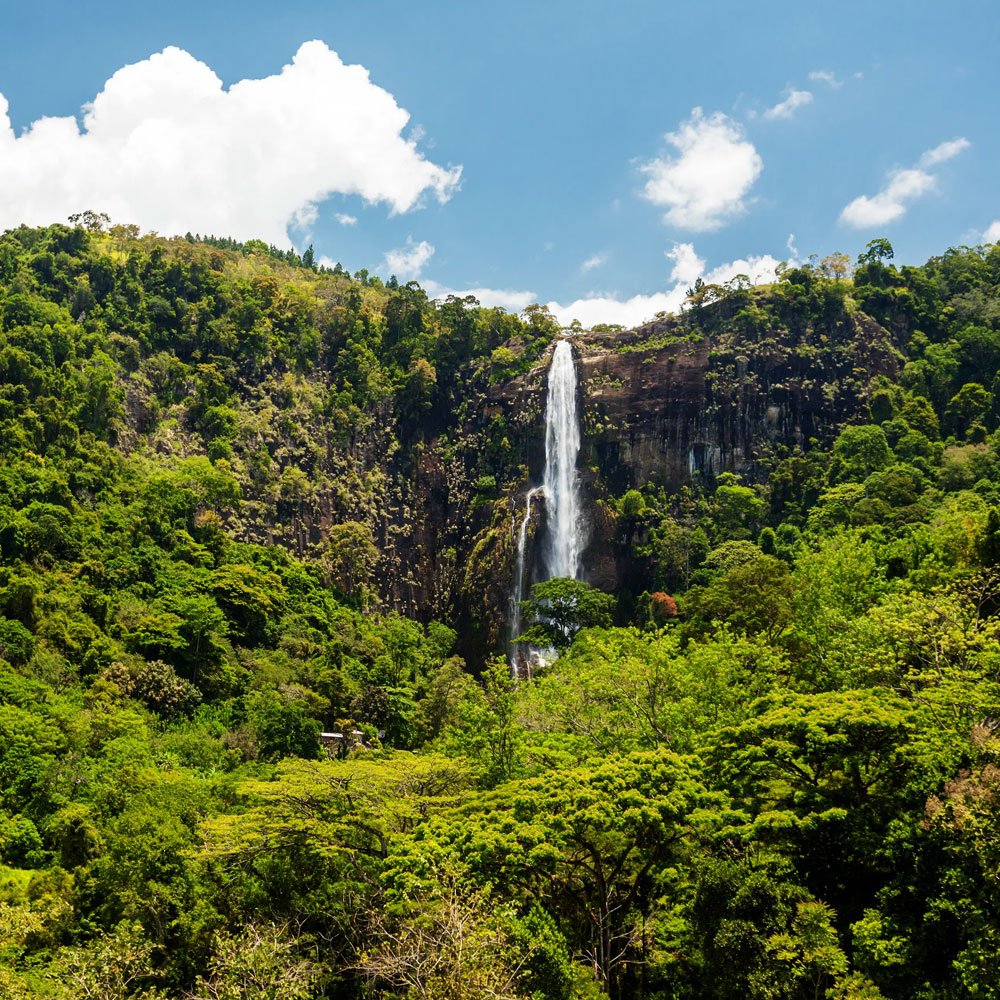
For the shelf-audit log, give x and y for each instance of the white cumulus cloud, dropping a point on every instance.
(759, 270)
(902, 187)
(786, 108)
(705, 183)
(166, 146)
(408, 261)
(688, 267)
(631, 311)
(992, 234)
(611, 309)
(346, 220)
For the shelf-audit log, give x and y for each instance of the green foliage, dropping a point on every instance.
(245, 500)
(584, 840)
(484, 728)
(559, 608)
(620, 689)
(858, 452)
(258, 963)
(349, 558)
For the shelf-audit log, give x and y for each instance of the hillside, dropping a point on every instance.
(245, 500)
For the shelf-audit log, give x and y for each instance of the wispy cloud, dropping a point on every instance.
(705, 184)
(593, 262)
(346, 220)
(944, 152)
(902, 187)
(607, 307)
(166, 145)
(825, 76)
(631, 311)
(786, 109)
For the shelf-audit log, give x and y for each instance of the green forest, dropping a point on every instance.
(246, 500)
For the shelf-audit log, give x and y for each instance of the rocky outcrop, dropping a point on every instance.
(664, 411)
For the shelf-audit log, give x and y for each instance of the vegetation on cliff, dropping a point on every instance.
(245, 500)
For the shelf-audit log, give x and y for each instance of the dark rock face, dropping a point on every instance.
(664, 412)
(643, 410)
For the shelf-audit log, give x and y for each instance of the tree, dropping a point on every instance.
(16, 643)
(448, 689)
(826, 774)
(809, 952)
(738, 509)
(753, 597)
(450, 944)
(632, 504)
(836, 266)
(621, 689)
(586, 842)
(486, 729)
(349, 558)
(261, 962)
(835, 581)
(115, 966)
(282, 728)
(348, 810)
(858, 452)
(310, 845)
(251, 597)
(739, 938)
(157, 685)
(559, 608)
(876, 252)
(654, 610)
(967, 410)
(417, 392)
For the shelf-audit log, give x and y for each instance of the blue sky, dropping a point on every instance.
(587, 179)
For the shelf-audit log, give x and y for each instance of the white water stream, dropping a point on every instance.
(517, 592)
(564, 535)
(561, 484)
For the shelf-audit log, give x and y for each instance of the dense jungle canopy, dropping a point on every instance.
(245, 500)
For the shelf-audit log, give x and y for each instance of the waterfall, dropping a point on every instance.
(517, 592)
(562, 445)
(564, 530)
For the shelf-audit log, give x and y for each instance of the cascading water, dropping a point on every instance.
(517, 592)
(564, 535)
(561, 484)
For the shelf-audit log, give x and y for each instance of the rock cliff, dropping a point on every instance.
(665, 404)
